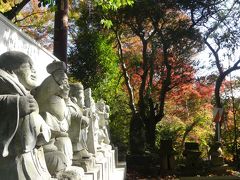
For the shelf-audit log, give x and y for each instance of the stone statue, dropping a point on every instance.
(51, 95)
(103, 113)
(92, 140)
(79, 122)
(22, 129)
(107, 114)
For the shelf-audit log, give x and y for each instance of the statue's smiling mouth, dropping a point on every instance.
(33, 77)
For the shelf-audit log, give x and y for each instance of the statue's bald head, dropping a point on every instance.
(12, 60)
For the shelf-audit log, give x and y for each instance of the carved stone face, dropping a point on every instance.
(62, 80)
(77, 93)
(26, 75)
(101, 106)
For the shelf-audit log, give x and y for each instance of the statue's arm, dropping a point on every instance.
(24, 104)
(7, 104)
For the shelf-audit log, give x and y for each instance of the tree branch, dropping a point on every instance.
(15, 10)
(29, 15)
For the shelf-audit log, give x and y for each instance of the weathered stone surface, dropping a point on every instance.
(22, 129)
(79, 122)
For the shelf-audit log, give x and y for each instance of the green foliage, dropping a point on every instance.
(106, 23)
(203, 132)
(94, 62)
(170, 127)
(93, 59)
(113, 4)
(120, 122)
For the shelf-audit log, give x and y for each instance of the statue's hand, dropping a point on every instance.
(56, 134)
(77, 116)
(27, 104)
(85, 122)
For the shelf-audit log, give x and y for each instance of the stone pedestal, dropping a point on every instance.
(86, 164)
(113, 159)
(93, 174)
(116, 156)
(103, 164)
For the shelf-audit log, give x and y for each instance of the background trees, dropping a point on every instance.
(160, 29)
(221, 36)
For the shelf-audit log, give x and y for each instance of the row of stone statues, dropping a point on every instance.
(45, 128)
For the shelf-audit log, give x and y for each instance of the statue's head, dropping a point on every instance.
(20, 64)
(77, 91)
(57, 70)
(101, 105)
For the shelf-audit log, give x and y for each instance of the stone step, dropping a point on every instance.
(119, 173)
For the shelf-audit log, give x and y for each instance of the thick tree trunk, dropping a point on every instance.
(61, 30)
(150, 133)
(137, 135)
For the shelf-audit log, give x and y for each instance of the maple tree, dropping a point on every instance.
(230, 123)
(160, 31)
(191, 102)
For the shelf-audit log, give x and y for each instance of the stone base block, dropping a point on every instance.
(119, 173)
(93, 174)
(104, 168)
(113, 159)
(86, 164)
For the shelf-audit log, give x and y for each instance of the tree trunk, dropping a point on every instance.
(137, 135)
(150, 133)
(61, 30)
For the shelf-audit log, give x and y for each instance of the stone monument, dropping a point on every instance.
(216, 155)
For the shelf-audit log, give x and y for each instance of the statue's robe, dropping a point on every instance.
(78, 132)
(58, 152)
